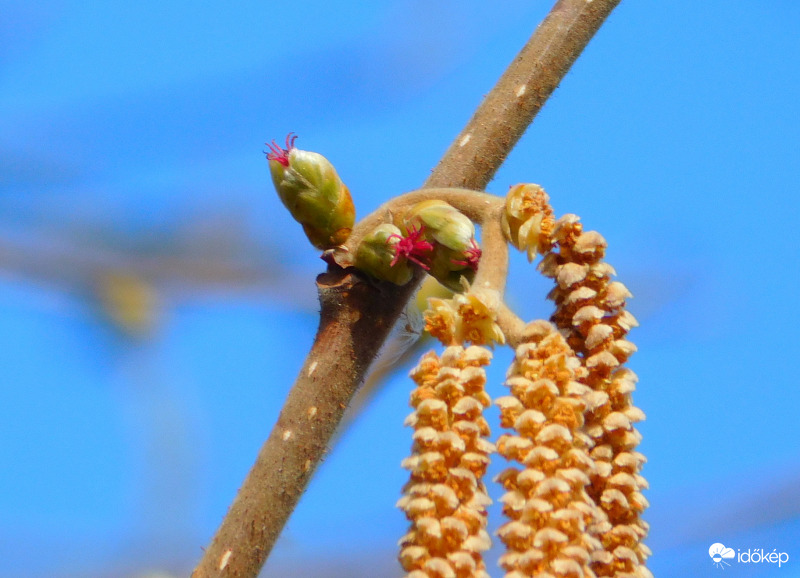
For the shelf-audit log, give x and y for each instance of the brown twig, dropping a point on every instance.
(356, 316)
(493, 269)
(525, 86)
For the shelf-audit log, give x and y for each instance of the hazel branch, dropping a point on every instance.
(512, 326)
(493, 268)
(356, 317)
(530, 79)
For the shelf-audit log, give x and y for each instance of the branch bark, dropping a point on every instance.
(357, 315)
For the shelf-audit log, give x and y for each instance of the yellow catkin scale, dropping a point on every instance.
(528, 219)
(465, 318)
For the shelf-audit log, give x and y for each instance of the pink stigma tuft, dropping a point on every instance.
(473, 256)
(281, 155)
(414, 247)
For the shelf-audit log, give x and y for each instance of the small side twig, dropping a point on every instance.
(356, 316)
(493, 269)
(512, 326)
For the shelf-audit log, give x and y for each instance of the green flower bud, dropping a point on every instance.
(448, 266)
(442, 223)
(377, 255)
(441, 239)
(316, 197)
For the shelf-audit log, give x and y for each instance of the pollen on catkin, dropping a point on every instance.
(445, 498)
(467, 317)
(590, 313)
(551, 514)
(528, 219)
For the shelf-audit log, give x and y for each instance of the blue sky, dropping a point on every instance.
(131, 138)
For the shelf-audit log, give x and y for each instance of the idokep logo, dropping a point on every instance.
(720, 556)
(719, 553)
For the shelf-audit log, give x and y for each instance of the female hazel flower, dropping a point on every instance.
(316, 197)
(440, 239)
(411, 247)
(378, 255)
(442, 223)
(453, 268)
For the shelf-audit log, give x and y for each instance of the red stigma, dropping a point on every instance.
(412, 247)
(279, 154)
(473, 256)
